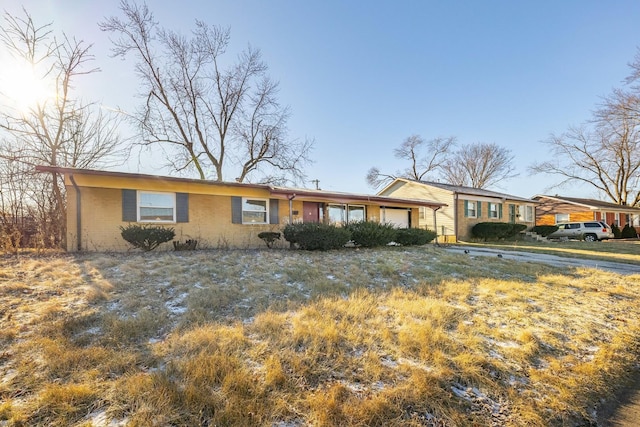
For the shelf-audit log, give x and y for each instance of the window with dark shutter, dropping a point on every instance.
(129, 206)
(236, 210)
(274, 216)
(182, 207)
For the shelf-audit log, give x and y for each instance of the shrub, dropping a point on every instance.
(628, 232)
(146, 237)
(544, 230)
(370, 234)
(188, 245)
(316, 236)
(269, 237)
(616, 231)
(496, 230)
(414, 236)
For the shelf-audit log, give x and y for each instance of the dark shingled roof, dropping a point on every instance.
(460, 189)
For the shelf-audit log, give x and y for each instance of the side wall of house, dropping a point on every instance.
(444, 222)
(505, 209)
(210, 222)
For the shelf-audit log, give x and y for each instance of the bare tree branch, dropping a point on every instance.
(210, 117)
(57, 130)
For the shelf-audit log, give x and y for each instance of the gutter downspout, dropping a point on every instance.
(435, 224)
(291, 197)
(455, 216)
(78, 211)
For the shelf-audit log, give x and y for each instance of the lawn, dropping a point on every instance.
(394, 336)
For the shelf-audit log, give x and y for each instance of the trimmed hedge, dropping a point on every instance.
(544, 230)
(496, 230)
(414, 236)
(369, 234)
(146, 237)
(313, 236)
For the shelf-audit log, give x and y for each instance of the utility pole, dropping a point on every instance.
(317, 183)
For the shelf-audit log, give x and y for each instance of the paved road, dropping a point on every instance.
(626, 413)
(555, 260)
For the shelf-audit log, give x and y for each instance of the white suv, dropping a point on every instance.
(589, 231)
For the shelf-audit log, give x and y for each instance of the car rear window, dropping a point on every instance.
(592, 225)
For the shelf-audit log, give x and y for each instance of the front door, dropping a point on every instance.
(311, 212)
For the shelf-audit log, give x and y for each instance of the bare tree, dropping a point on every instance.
(56, 130)
(424, 157)
(208, 116)
(478, 165)
(604, 153)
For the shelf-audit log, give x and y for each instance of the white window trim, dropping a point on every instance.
(472, 204)
(140, 206)
(244, 199)
(491, 212)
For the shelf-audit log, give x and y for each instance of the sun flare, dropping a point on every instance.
(23, 87)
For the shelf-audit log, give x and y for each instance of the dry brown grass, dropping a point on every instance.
(389, 337)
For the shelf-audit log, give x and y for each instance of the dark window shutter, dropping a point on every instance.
(129, 205)
(236, 210)
(466, 208)
(274, 216)
(182, 207)
(479, 213)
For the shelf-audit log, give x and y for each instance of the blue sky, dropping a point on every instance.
(361, 76)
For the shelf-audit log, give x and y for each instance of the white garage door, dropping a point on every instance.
(397, 217)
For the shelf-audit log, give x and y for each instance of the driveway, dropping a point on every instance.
(554, 260)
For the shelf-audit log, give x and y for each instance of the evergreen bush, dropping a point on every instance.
(269, 237)
(370, 234)
(544, 230)
(414, 236)
(316, 236)
(628, 232)
(146, 237)
(496, 230)
(617, 234)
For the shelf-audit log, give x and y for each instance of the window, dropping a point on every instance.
(346, 213)
(255, 211)
(336, 213)
(156, 207)
(562, 217)
(470, 209)
(526, 213)
(493, 210)
(617, 220)
(355, 213)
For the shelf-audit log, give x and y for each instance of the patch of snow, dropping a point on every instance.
(100, 419)
(175, 305)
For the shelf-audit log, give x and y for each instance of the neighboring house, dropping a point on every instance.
(217, 214)
(465, 208)
(556, 209)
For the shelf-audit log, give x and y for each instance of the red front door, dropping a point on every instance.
(311, 211)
